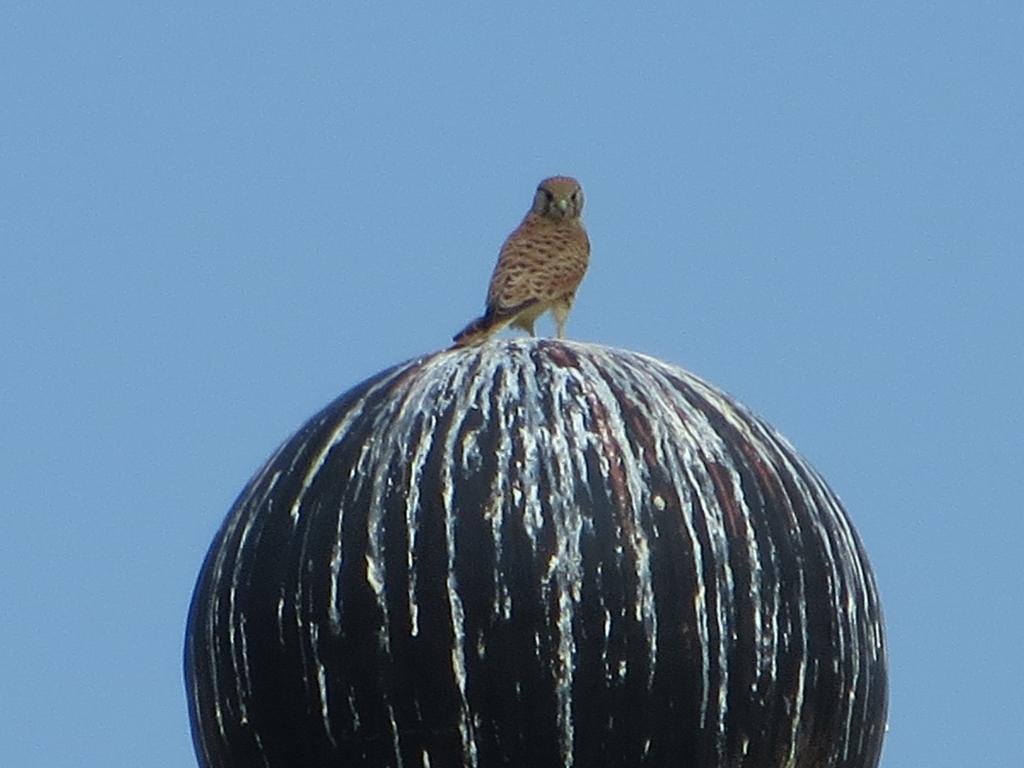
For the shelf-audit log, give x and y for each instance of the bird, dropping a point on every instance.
(540, 266)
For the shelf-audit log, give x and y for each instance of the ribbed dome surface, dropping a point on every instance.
(536, 553)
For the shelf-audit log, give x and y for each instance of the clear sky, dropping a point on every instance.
(214, 220)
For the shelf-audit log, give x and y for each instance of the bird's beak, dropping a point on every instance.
(563, 205)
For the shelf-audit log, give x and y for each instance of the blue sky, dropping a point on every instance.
(214, 220)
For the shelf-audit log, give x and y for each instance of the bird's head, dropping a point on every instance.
(558, 198)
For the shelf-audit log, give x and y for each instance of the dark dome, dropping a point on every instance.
(536, 553)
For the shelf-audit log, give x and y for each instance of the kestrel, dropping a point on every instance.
(540, 265)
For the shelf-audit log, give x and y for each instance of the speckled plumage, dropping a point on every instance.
(540, 265)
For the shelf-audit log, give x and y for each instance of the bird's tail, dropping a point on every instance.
(492, 321)
(474, 333)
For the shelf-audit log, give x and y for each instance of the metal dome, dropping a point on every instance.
(536, 553)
